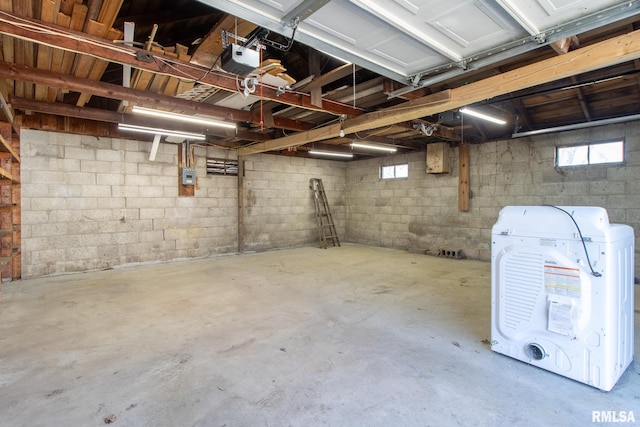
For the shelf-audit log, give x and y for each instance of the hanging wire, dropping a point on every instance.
(354, 85)
(584, 245)
(462, 128)
(261, 98)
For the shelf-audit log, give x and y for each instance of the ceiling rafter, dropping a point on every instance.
(97, 47)
(613, 51)
(108, 90)
(131, 119)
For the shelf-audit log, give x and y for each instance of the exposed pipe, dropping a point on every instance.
(578, 126)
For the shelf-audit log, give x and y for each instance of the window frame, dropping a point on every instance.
(589, 145)
(394, 166)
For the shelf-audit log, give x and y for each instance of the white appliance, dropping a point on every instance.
(562, 291)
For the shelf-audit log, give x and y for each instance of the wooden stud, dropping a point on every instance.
(183, 190)
(171, 88)
(6, 147)
(463, 177)
(6, 5)
(108, 13)
(184, 86)
(78, 16)
(223, 81)
(240, 204)
(158, 83)
(210, 48)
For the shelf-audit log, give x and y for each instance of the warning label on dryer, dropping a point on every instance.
(562, 280)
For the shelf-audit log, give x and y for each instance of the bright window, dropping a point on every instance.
(590, 154)
(394, 171)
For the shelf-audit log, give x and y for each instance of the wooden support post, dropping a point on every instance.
(315, 69)
(463, 175)
(183, 190)
(240, 204)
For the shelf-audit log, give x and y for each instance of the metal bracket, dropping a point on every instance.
(144, 56)
(464, 64)
(540, 38)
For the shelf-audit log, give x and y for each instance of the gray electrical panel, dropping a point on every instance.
(188, 176)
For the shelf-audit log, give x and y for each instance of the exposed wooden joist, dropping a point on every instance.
(107, 90)
(390, 86)
(6, 109)
(581, 99)
(315, 68)
(563, 46)
(210, 48)
(371, 121)
(610, 52)
(330, 77)
(87, 113)
(104, 49)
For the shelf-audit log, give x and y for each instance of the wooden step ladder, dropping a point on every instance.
(326, 228)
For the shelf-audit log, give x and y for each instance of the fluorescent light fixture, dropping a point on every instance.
(373, 147)
(182, 117)
(482, 116)
(330, 153)
(158, 131)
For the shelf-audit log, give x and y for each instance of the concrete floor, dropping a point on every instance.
(351, 336)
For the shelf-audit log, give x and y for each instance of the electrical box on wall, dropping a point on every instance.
(438, 158)
(188, 176)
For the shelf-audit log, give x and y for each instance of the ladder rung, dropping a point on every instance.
(326, 227)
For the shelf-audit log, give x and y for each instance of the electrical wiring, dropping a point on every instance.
(61, 33)
(186, 70)
(584, 245)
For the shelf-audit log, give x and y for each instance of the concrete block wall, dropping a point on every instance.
(278, 206)
(91, 203)
(421, 213)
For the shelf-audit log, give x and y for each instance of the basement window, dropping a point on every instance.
(590, 154)
(394, 171)
(222, 167)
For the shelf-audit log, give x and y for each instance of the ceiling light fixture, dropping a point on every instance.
(182, 117)
(373, 147)
(330, 153)
(483, 116)
(158, 131)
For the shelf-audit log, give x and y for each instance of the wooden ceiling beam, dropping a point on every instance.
(97, 114)
(108, 90)
(210, 48)
(581, 99)
(39, 32)
(329, 77)
(599, 55)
